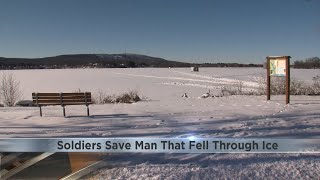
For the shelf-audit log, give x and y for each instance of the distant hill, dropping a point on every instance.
(88, 60)
(101, 61)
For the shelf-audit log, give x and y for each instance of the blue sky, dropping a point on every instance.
(243, 31)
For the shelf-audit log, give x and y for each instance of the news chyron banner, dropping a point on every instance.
(161, 145)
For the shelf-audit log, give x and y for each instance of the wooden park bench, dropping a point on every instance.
(63, 99)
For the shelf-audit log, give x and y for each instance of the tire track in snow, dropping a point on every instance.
(201, 85)
(220, 79)
(212, 81)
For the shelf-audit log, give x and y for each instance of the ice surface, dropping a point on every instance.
(166, 114)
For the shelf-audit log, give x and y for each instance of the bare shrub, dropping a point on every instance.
(228, 91)
(316, 80)
(103, 98)
(237, 89)
(240, 87)
(128, 97)
(262, 84)
(98, 97)
(9, 89)
(77, 90)
(277, 87)
(108, 99)
(296, 87)
(315, 88)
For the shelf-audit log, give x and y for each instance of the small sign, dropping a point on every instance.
(277, 67)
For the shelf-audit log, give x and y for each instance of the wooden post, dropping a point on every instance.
(64, 110)
(86, 101)
(268, 79)
(61, 102)
(37, 102)
(288, 80)
(40, 111)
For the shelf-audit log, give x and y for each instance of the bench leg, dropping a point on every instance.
(64, 111)
(40, 111)
(88, 113)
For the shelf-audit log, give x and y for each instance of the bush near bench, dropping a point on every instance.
(127, 97)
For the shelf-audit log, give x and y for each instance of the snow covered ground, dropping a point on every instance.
(165, 113)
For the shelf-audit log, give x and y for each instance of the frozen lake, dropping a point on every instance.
(154, 83)
(170, 115)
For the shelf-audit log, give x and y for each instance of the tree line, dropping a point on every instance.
(309, 63)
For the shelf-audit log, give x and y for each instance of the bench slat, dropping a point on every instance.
(58, 101)
(68, 103)
(46, 94)
(72, 94)
(63, 94)
(70, 97)
(83, 96)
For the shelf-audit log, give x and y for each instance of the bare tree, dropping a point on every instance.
(9, 89)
